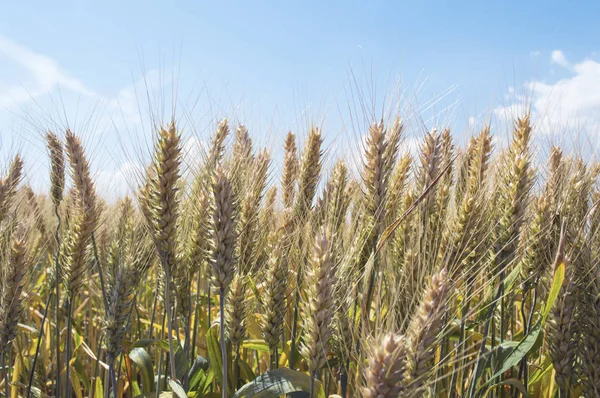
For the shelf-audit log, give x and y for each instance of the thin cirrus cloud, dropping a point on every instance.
(571, 103)
(45, 74)
(40, 77)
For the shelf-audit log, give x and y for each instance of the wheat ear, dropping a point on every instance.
(386, 367)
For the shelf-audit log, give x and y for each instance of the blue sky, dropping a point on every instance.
(284, 65)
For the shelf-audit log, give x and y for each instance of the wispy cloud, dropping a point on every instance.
(558, 57)
(571, 103)
(44, 71)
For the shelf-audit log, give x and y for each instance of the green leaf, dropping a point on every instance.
(199, 363)
(246, 373)
(511, 382)
(257, 344)
(509, 358)
(199, 382)
(544, 369)
(197, 374)
(214, 353)
(36, 392)
(181, 363)
(83, 377)
(177, 389)
(557, 282)
(490, 296)
(143, 343)
(143, 362)
(99, 388)
(278, 382)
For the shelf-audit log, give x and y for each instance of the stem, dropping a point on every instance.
(99, 269)
(236, 368)
(274, 358)
(523, 371)
(461, 342)
(312, 384)
(97, 362)
(444, 347)
(223, 344)
(502, 326)
(196, 318)
(39, 344)
(170, 323)
(209, 305)
(4, 374)
(68, 346)
(186, 326)
(294, 324)
(56, 315)
(486, 330)
(292, 360)
(160, 353)
(112, 378)
(343, 381)
(153, 315)
(371, 288)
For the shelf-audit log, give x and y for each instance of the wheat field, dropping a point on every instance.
(450, 272)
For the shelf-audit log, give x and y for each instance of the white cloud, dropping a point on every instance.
(558, 57)
(45, 72)
(114, 184)
(571, 103)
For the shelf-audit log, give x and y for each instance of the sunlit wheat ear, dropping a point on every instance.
(57, 167)
(576, 199)
(561, 331)
(126, 224)
(36, 211)
(82, 179)
(222, 232)
(556, 180)
(534, 244)
(397, 187)
(309, 174)
(15, 268)
(275, 303)
(8, 185)
(462, 169)
(318, 309)
(197, 238)
(393, 138)
(85, 218)
(217, 145)
(590, 334)
(236, 310)
(332, 206)
(374, 173)
(242, 147)
(267, 216)
(424, 329)
(290, 170)
(405, 231)
(430, 160)
(386, 367)
(462, 233)
(445, 184)
(241, 158)
(161, 197)
(515, 180)
(248, 224)
(480, 159)
(120, 291)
